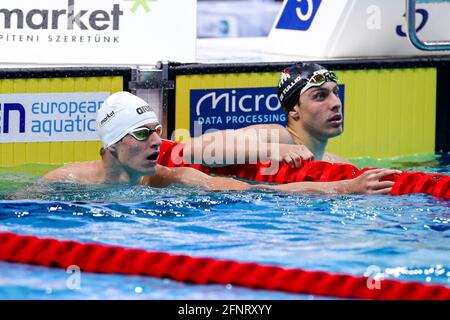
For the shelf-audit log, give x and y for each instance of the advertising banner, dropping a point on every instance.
(47, 120)
(386, 112)
(355, 28)
(45, 117)
(97, 32)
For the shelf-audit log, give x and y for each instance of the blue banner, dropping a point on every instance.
(298, 14)
(236, 108)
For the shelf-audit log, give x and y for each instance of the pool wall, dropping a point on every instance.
(392, 107)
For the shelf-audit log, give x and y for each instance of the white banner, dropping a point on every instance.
(97, 31)
(355, 28)
(44, 117)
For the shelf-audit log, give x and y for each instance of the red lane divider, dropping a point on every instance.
(114, 259)
(437, 185)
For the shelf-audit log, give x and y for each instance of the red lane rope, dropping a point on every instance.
(437, 185)
(113, 259)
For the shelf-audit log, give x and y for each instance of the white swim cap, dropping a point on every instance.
(120, 113)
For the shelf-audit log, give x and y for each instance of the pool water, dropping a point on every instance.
(400, 237)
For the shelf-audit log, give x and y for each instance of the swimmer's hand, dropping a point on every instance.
(293, 154)
(370, 182)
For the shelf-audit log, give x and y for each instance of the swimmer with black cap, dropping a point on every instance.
(309, 95)
(130, 134)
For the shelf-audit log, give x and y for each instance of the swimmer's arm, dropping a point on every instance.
(249, 144)
(368, 182)
(337, 187)
(191, 177)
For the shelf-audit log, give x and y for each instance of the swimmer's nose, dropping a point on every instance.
(336, 103)
(336, 108)
(155, 142)
(156, 146)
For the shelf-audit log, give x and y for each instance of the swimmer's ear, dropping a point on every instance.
(295, 113)
(112, 149)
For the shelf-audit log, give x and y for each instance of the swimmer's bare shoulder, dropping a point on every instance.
(162, 177)
(186, 176)
(281, 133)
(78, 172)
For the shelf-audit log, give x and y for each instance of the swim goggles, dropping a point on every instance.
(319, 78)
(143, 133)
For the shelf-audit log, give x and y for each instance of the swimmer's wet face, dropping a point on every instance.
(138, 151)
(320, 111)
(309, 94)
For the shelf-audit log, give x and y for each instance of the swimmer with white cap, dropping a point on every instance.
(130, 134)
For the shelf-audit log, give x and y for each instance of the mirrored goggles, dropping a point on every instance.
(143, 133)
(319, 78)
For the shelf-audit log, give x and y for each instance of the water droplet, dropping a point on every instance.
(138, 290)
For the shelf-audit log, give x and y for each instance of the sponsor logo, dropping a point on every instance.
(50, 116)
(69, 18)
(107, 118)
(69, 24)
(284, 76)
(424, 15)
(233, 108)
(140, 3)
(289, 87)
(298, 14)
(7, 109)
(143, 109)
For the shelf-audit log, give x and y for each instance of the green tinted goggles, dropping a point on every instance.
(143, 133)
(319, 78)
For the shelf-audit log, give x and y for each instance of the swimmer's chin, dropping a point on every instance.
(151, 171)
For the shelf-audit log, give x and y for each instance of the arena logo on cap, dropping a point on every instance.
(143, 109)
(298, 14)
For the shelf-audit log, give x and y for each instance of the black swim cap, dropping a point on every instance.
(292, 81)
